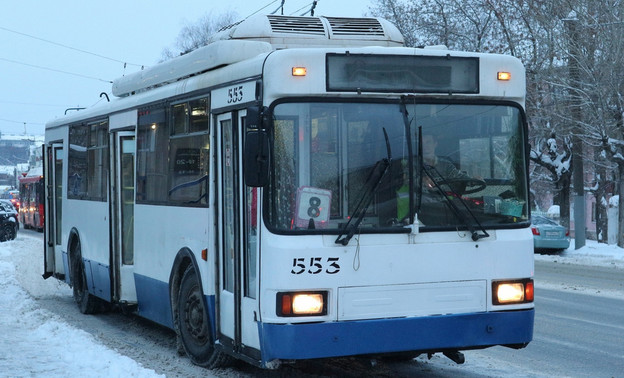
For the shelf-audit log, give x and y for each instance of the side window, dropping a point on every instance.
(97, 158)
(88, 161)
(173, 151)
(189, 153)
(152, 140)
(77, 162)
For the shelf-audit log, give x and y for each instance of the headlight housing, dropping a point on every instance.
(512, 291)
(303, 303)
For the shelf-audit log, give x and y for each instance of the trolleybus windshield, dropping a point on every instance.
(323, 154)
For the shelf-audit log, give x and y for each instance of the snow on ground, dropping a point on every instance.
(35, 342)
(593, 253)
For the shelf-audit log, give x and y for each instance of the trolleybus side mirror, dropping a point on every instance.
(253, 118)
(256, 158)
(256, 154)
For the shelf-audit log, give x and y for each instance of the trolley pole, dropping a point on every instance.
(577, 143)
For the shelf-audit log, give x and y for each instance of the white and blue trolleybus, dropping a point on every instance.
(302, 188)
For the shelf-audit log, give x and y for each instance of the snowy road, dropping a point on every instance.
(44, 334)
(579, 327)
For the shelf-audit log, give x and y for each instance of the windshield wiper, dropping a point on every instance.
(370, 187)
(430, 171)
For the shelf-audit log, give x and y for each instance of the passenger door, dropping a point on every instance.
(122, 216)
(53, 179)
(237, 212)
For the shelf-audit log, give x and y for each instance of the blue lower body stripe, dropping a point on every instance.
(333, 339)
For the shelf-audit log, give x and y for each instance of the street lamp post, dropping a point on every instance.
(577, 145)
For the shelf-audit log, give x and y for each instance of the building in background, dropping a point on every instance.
(18, 154)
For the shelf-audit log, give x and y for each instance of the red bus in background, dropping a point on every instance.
(31, 210)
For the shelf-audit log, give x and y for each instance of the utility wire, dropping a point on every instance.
(21, 122)
(266, 6)
(55, 70)
(69, 47)
(31, 104)
(302, 8)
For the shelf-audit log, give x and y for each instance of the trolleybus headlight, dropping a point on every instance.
(512, 292)
(302, 303)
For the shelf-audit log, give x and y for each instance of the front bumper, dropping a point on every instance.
(379, 336)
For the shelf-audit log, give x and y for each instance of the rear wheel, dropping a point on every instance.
(87, 303)
(194, 325)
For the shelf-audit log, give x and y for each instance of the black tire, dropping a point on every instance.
(7, 232)
(87, 303)
(194, 324)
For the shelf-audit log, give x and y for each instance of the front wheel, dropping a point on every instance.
(194, 326)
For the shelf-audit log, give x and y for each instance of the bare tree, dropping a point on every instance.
(194, 35)
(535, 32)
(599, 89)
(558, 162)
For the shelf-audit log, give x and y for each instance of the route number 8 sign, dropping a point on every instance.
(314, 204)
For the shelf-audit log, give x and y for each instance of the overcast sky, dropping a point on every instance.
(61, 54)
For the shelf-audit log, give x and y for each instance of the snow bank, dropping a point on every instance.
(35, 342)
(593, 253)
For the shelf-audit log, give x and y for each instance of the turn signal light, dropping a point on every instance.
(529, 291)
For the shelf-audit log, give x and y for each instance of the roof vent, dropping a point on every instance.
(356, 26)
(290, 31)
(297, 25)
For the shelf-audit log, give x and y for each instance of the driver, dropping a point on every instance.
(440, 168)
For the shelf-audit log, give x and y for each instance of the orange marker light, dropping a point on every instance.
(529, 292)
(287, 305)
(299, 71)
(504, 76)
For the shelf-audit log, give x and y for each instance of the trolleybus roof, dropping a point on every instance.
(262, 34)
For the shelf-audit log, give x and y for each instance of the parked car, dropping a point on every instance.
(13, 196)
(548, 234)
(8, 221)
